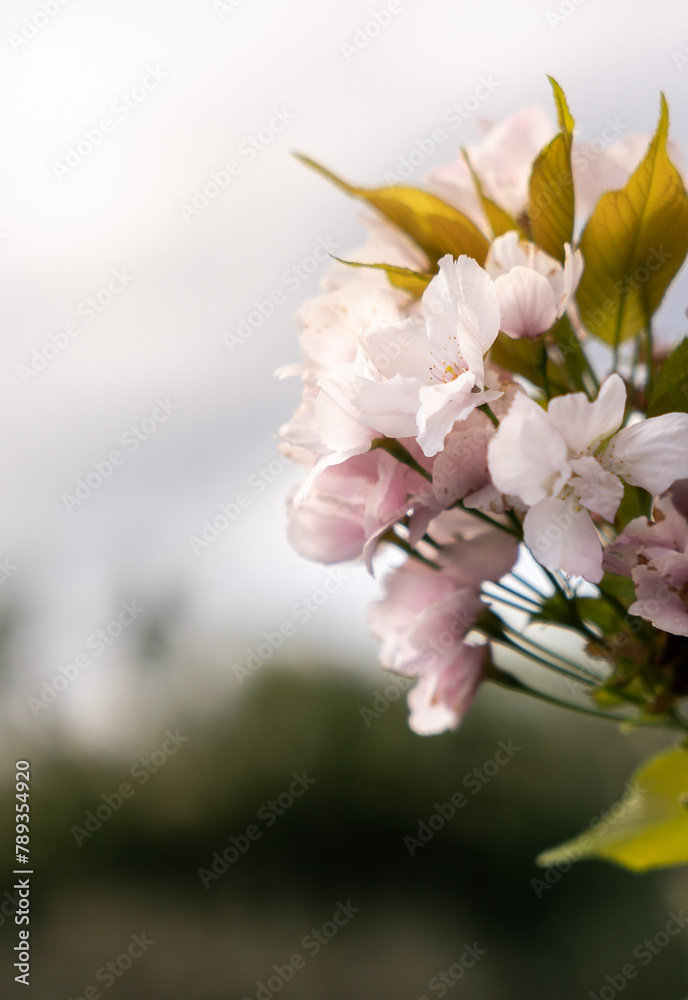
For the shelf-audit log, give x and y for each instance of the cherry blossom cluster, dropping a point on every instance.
(459, 417)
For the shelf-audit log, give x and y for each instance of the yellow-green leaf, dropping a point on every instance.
(647, 829)
(551, 196)
(525, 357)
(434, 226)
(633, 244)
(670, 391)
(414, 282)
(500, 220)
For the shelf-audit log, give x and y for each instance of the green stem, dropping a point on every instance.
(509, 604)
(402, 544)
(397, 450)
(591, 371)
(617, 329)
(516, 523)
(543, 369)
(526, 583)
(487, 519)
(516, 593)
(649, 361)
(594, 678)
(513, 684)
(557, 668)
(487, 410)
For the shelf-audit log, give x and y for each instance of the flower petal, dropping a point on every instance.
(390, 407)
(462, 282)
(527, 457)
(402, 349)
(443, 404)
(561, 536)
(652, 453)
(658, 602)
(584, 425)
(443, 696)
(597, 489)
(527, 303)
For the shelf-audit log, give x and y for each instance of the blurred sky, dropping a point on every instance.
(184, 85)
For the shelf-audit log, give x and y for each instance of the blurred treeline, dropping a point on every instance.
(342, 840)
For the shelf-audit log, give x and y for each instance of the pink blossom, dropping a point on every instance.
(460, 471)
(655, 555)
(350, 505)
(570, 460)
(423, 622)
(431, 370)
(534, 289)
(503, 161)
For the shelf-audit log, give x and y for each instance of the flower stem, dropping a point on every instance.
(592, 677)
(487, 519)
(401, 543)
(403, 455)
(526, 583)
(557, 668)
(516, 593)
(543, 369)
(510, 604)
(649, 361)
(513, 684)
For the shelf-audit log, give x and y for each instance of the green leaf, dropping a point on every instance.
(434, 226)
(414, 282)
(524, 357)
(573, 355)
(551, 198)
(633, 244)
(597, 611)
(647, 829)
(556, 608)
(670, 391)
(620, 587)
(636, 502)
(500, 220)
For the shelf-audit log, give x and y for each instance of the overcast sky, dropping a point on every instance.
(121, 284)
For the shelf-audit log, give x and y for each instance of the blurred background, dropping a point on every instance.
(125, 291)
